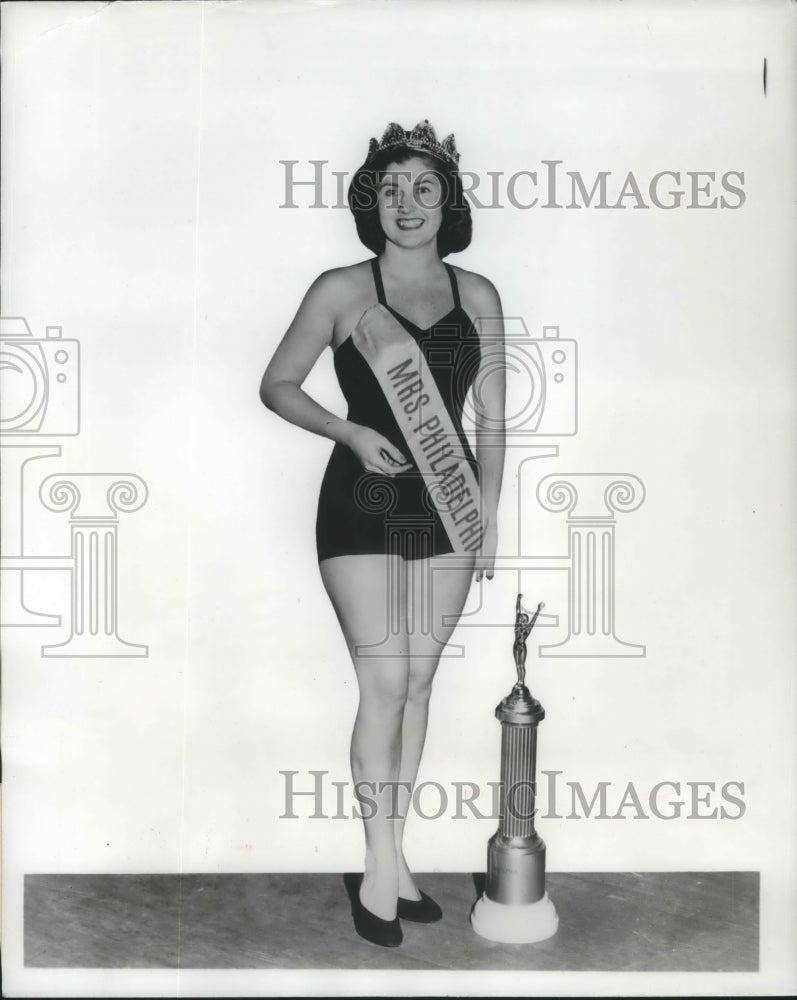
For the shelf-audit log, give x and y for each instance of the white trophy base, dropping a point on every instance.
(520, 924)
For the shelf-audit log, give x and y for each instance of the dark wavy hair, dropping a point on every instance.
(456, 227)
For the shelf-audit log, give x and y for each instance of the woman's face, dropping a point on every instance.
(410, 200)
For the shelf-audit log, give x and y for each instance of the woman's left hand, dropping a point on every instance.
(485, 561)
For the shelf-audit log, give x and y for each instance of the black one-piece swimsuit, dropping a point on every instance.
(362, 512)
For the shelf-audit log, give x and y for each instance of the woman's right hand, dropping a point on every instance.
(375, 452)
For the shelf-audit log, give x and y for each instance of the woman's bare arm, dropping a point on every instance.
(489, 398)
(304, 342)
(490, 394)
(280, 388)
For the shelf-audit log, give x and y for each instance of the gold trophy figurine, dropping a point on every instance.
(515, 907)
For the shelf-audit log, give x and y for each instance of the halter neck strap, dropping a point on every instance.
(380, 288)
(454, 286)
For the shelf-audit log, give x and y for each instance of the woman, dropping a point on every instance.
(385, 539)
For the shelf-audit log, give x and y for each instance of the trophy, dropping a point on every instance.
(515, 907)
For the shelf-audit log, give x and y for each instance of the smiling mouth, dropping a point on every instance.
(409, 223)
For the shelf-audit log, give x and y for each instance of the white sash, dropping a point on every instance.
(400, 367)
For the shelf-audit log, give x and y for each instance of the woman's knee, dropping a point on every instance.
(419, 684)
(383, 691)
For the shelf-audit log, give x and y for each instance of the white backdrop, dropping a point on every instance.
(141, 212)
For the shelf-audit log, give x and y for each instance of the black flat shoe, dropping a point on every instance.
(421, 911)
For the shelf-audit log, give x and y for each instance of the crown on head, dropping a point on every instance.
(422, 138)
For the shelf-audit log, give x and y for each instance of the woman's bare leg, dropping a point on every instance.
(437, 591)
(368, 593)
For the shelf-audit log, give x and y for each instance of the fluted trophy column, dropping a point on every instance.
(515, 907)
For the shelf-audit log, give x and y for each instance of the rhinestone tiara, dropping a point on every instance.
(422, 138)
